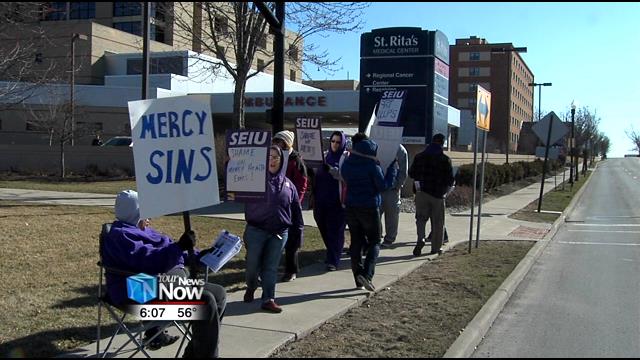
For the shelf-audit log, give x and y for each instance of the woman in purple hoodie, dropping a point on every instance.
(266, 233)
(327, 210)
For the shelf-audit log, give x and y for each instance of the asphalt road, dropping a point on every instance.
(582, 297)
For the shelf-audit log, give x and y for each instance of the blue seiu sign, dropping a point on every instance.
(246, 170)
(174, 154)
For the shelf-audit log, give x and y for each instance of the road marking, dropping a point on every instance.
(607, 231)
(630, 225)
(629, 260)
(595, 243)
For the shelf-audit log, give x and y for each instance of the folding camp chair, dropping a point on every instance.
(119, 314)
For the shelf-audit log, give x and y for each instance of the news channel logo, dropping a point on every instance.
(166, 297)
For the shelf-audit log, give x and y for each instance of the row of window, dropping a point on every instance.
(87, 10)
(156, 32)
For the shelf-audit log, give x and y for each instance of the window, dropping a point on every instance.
(156, 33)
(293, 52)
(221, 25)
(163, 65)
(474, 71)
(262, 42)
(260, 64)
(292, 75)
(83, 10)
(127, 9)
(132, 27)
(474, 56)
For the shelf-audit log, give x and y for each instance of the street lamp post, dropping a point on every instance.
(502, 50)
(74, 37)
(571, 149)
(539, 85)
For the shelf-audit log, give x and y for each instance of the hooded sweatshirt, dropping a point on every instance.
(280, 209)
(327, 189)
(364, 177)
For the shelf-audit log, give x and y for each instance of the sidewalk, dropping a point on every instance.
(318, 296)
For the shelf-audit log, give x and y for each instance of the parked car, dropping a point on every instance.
(118, 141)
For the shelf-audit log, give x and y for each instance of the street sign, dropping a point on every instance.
(483, 108)
(553, 152)
(558, 130)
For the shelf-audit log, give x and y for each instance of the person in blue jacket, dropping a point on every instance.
(268, 224)
(327, 210)
(133, 246)
(365, 182)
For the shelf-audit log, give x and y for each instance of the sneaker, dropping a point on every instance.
(417, 251)
(248, 295)
(272, 307)
(164, 339)
(366, 283)
(288, 277)
(360, 287)
(386, 245)
(331, 267)
(436, 252)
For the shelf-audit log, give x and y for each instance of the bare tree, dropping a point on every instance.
(236, 31)
(54, 118)
(22, 69)
(634, 136)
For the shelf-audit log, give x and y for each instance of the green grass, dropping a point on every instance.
(555, 200)
(48, 272)
(96, 187)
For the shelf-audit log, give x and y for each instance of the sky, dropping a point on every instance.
(590, 52)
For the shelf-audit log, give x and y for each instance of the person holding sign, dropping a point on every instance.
(433, 174)
(327, 210)
(267, 230)
(296, 171)
(365, 181)
(391, 199)
(132, 245)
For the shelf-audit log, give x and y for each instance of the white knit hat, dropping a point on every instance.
(286, 136)
(127, 208)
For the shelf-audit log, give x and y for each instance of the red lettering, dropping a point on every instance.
(311, 101)
(288, 101)
(248, 102)
(322, 101)
(299, 100)
(259, 101)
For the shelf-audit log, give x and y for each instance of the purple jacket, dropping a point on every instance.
(281, 208)
(128, 248)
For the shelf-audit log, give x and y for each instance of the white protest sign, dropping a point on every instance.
(390, 105)
(388, 139)
(246, 171)
(174, 154)
(309, 134)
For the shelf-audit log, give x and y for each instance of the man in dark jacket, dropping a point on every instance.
(365, 182)
(432, 173)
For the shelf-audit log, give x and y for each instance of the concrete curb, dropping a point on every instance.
(472, 335)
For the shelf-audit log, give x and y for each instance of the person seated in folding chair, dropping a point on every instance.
(132, 245)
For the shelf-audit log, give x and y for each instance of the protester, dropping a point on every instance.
(296, 171)
(268, 225)
(433, 176)
(133, 246)
(365, 181)
(327, 210)
(391, 199)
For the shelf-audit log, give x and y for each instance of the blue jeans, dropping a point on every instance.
(263, 256)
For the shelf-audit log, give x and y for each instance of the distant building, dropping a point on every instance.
(505, 75)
